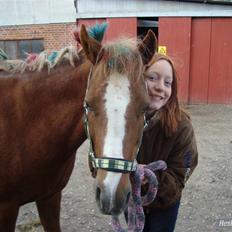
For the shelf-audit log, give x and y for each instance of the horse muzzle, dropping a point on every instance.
(112, 204)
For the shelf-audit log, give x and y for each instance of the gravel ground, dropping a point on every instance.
(207, 199)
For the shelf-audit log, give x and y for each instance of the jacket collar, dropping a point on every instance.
(152, 119)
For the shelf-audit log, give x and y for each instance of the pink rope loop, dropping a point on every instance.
(136, 216)
(152, 189)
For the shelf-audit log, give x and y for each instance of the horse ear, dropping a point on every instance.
(148, 46)
(90, 45)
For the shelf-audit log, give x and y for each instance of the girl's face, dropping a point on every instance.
(159, 77)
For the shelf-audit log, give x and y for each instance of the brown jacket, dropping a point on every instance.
(179, 152)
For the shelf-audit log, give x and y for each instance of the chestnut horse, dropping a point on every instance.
(115, 103)
(41, 128)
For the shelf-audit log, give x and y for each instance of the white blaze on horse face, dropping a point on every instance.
(117, 98)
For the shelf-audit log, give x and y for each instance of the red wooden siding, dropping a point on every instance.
(220, 77)
(200, 60)
(210, 64)
(118, 27)
(175, 33)
(201, 49)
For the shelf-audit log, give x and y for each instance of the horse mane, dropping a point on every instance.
(45, 59)
(53, 59)
(50, 60)
(97, 31)
(121, 56)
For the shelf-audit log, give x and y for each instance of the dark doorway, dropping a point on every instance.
(146, 23)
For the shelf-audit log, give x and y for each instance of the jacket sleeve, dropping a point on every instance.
(181, 162)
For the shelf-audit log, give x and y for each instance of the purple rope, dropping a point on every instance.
(136, 216)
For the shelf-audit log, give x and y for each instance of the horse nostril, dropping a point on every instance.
(98, 193)
(128, 197)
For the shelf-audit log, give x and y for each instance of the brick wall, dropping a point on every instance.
(55, 36)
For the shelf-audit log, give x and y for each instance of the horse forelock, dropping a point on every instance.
(122, 56)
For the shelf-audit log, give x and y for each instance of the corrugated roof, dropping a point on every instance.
(151, 8)
(223, 2)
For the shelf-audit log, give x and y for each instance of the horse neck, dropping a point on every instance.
(58, 99)
(63, 83)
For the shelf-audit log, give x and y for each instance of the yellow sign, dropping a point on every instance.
(162, 50)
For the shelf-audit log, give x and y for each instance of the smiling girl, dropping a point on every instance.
(169, 137)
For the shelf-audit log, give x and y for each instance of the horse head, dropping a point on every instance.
(115, 103)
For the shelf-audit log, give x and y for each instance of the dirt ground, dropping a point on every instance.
(207, 198)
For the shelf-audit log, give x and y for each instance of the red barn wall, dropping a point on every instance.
(117, 28)
(220, 71)
(201, 49)
(200, 60)
(175, 34)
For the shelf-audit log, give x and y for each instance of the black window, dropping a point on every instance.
(17, 49)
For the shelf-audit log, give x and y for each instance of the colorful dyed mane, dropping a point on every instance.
(37, 62)
(117, 57)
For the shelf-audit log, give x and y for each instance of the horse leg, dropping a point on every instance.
(8, 216)
(49, 212)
